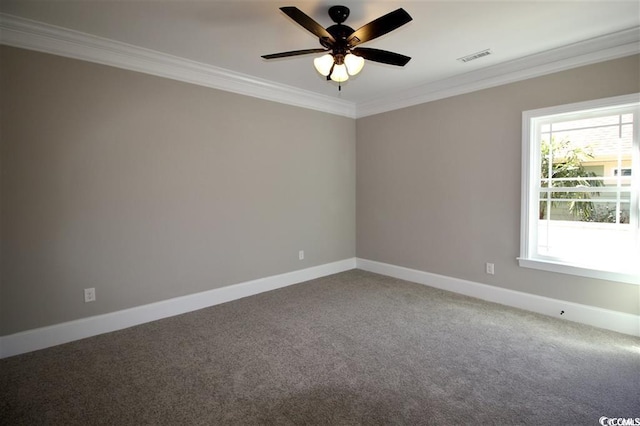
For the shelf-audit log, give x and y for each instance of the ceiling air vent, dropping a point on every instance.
(485, 52)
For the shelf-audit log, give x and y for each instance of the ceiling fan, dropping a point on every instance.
(344, 58)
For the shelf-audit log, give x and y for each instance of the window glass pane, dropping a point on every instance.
(576, 241)
(585, 206)
(560, 158)
(563, 210)
(572, 209)
(611, 212)
(626, 137)
(544, 205)
(586, 122)
(595, 141)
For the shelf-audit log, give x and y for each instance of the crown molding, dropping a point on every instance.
(33, 35)
(599, 49)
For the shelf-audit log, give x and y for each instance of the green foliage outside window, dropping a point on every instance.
(568, 163)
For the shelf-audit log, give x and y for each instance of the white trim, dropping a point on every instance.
(590, 315)
(34, 35)
(528, 153)
(577, 107)
(600, 49)
(27, 34)
(57, 334)
(563, 268)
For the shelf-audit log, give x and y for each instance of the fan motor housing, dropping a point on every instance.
(338, 14)
(340, 33)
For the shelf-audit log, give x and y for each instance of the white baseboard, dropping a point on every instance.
(57, 334)
(590, 315)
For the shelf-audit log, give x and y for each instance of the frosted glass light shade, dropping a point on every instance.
(323, 64)
(354, 63)
(339, 73)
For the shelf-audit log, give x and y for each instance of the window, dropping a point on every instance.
(625, 172)
(581, 189)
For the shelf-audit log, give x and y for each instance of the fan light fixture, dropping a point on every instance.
(338, 67)
(342, 55)
(354, 63)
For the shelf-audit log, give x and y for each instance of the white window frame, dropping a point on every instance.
(530, 179)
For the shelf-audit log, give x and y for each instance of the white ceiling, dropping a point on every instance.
(234, 34)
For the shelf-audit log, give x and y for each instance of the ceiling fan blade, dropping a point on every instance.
(379, 27)
(309, 24)
(293, 53)
(382, 56)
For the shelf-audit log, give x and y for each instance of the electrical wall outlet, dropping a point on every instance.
(301, 255)
(490, 268)
(89, 295)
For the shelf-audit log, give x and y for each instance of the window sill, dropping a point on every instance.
(563, 268)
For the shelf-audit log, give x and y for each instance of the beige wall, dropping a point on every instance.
(147, 188)
(438, 184)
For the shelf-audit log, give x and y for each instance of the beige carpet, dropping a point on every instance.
(352, 348)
